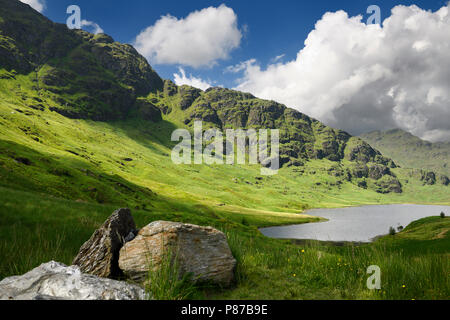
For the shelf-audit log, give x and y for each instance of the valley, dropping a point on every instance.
(86, 126)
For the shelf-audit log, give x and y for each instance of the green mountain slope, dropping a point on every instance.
(85, 127)
(412, 152)
(59, 86)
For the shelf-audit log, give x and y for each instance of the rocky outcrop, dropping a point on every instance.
(388, 184)
(100, 254)
(362, 152)
(188, 96)
(170, 88)
(200, 251)
(360, 171)
(444, 180)
(98, 78)
(56, 281)
(428, 178)
(377, 171)
(148, 111)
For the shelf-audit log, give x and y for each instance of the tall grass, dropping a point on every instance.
(414, 263)
(165, 280)
(38, 246)
(338, 273)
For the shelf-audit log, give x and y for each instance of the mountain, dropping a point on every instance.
(85, 128)
(86, 76)
(87, 118)
(410, 151)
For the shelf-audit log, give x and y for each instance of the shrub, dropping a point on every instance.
(392, 231)
(442, 215)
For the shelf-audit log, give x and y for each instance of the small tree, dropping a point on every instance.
(442, 215)
(400, 229)
(392, 231)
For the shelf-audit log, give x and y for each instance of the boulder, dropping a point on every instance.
(200, 251)
(100, 254)
(56, 281)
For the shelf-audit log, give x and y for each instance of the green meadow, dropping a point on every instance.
(61, 178)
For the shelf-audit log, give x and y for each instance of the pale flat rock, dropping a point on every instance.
(56, 281)
(202, 251)
(100, 254)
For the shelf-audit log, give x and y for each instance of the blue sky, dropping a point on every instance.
(274, 28)
(349, 74)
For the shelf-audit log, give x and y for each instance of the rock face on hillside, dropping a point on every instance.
(55, 281)
(99, 255)
(201, 251)
(301, 137)
(89, 76)
(85, 76)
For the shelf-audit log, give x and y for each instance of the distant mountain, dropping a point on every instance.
(84, 76)
(410, 151)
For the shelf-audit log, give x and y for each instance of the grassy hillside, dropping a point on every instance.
(410, 151)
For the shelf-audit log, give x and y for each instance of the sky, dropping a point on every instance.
(323, 57)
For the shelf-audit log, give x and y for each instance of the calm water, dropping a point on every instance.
(360, 224)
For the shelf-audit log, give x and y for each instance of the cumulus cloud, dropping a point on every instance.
(181, 79)
(96, 29)
(198, 40)
(361, 77)
(38, 5)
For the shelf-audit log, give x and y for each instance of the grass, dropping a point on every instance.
(269, 269)
(36, 229)
(166, 282)
(61, 178)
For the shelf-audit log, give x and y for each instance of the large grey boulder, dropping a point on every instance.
(56, 281)
(100, 254)
(201, 251)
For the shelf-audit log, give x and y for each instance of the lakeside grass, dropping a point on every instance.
(415, 263)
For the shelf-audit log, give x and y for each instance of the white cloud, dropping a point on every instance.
(181, 79)
(240, 66)
(362, 77)
(95, 27)
(38, 5)
(200, 39)
(277, 58)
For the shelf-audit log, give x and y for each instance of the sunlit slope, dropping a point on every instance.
(412, 152)
(129, 163)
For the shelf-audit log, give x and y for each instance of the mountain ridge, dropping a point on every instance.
(411, 151)
(92, 77)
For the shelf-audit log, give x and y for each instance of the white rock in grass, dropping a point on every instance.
(56, 281)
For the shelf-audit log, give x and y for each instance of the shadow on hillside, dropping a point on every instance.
(143, 132)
